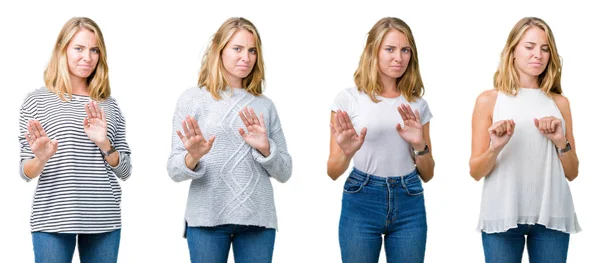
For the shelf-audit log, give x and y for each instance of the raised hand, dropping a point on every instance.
(412, 132)
(42, 147)
(95, 123)
(551, 128)
(193, 140)
(256, 136)
(500, 133)
(345, 134)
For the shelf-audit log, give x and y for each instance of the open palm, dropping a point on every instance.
(412, 131)
(256, 136)
(42, 147)
(95, 123)
(345, 135)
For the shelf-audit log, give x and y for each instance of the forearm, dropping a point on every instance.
(425, 166)
(113, 158)
(337, 165)
(483, 164)
(33, 168)
(191, 162)
(570, 164)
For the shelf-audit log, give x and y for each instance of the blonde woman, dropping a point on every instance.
(228, 140)
(523, 146)
(73, 139)
(383, 195)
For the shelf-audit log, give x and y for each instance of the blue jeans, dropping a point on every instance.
(543, 245)
(373, 206)
(250, 243)
(59, 248)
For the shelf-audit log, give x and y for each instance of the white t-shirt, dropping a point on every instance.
(384, 153)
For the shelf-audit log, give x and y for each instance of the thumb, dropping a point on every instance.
(536, 122)
(363, 133)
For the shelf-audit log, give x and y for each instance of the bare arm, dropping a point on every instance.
(484, 153)
(425, 163)
(569, 160)
(343, 144)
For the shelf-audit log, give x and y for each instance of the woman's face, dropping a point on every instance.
(394, 54)
(239, 57)
(532, 53)
(82, 54)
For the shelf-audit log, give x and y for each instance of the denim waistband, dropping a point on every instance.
(384, 181)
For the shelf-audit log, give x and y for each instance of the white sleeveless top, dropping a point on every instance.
(528, 183)
(384, 153)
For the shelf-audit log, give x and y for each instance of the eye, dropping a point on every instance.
(406, 50)
(252, 50)
(95, 50)
(77, 48)
(529, 47)
(546, 49)
(389, 49)
(237, 49)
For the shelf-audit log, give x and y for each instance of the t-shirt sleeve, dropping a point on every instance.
(424, 112)
(343, 101)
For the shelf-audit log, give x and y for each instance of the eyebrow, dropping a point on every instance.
(80, 45)
(533, 43)
(397, 46)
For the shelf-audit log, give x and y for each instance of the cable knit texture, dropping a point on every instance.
(231, 184)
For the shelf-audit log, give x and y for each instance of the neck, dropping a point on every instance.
(233, 82)
(528, 81)
(389, 86)
(79, 86)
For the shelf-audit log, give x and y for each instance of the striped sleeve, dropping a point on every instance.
(26, 113)
(123, 169)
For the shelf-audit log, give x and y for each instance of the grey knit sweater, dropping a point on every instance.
(231, 184)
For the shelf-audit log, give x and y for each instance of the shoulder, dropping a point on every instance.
(562, 103)
(488, 96)
(192, 94)
(37, 94)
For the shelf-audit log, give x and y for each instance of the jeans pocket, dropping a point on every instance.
(352, 185)
(413, 186)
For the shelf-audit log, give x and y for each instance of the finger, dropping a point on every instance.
(242, 132)
(262, 120)
(54, 145)
(363, 134)
(181, 137)
(336, 122)
(186, 131)
(94, 109)
(86, 122)
(333, 130)
(348, 121)
(557, 124)
(196, 127)
(28, 139)
(210, 141)
(102, 115)
(536, 122)
(37, 128)
(417, 116)
(399, 127)
(402, 113)
(248, 116)
(409, 112)
(254, 117)
(30, 131)
(244, 119)
(88, 111)
(342, 120)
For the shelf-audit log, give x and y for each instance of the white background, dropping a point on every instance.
(311, 49)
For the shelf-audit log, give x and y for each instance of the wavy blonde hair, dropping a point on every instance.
(506, 78)
(56, 75)
(366, 77)
(211, 71)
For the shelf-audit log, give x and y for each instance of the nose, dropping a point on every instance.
(537, 52)
(398, 56)
(86, 56)
(245, 56)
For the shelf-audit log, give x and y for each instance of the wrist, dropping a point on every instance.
(561, 144)
(104, 145)
(419, 146)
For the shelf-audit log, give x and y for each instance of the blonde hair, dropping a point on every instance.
(56, 75)
(211, 71)
(506, 78)
(366, 77)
